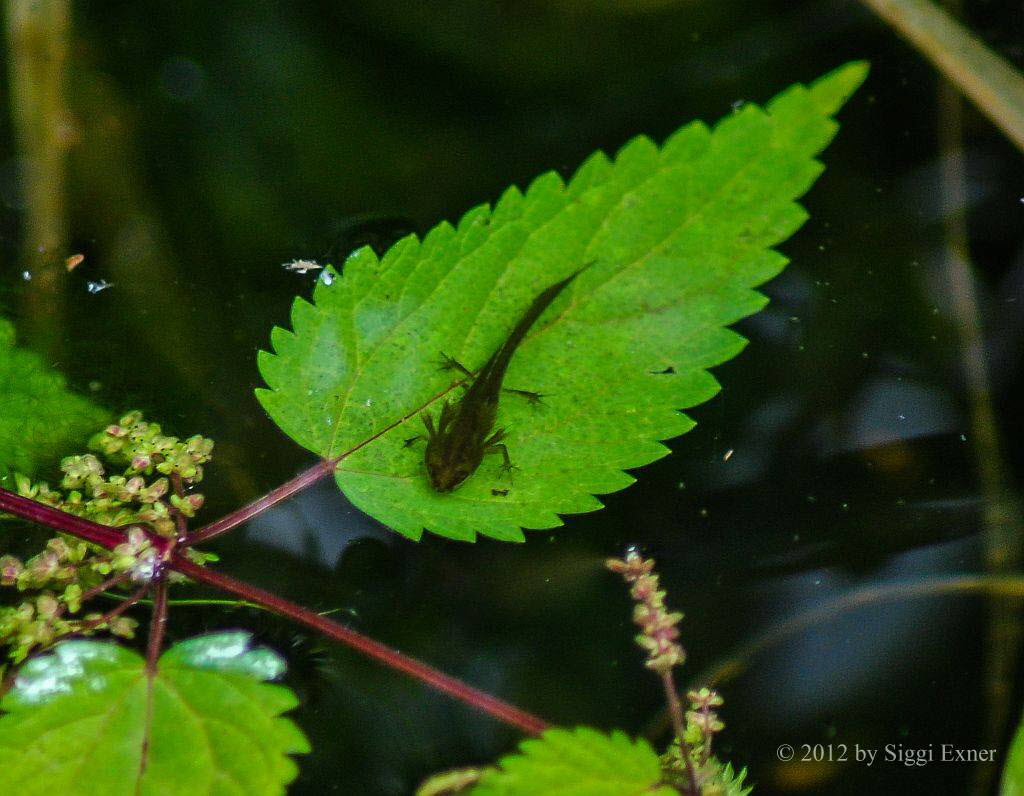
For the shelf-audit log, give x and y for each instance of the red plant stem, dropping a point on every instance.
(304, 479)
(180, 523)
(88, 594)
(8, 682)
(482, 701)
(109, 537)
(109, 583)
(58, 520)
(157, 625)
(675, 710)
(115, 612)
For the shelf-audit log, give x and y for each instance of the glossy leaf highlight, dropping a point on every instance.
(87, 719)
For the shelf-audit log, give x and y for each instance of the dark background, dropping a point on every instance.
(214, 142)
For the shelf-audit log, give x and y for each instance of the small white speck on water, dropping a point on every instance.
(901, 416)
(302, 266)
(327, 277)
(98, 287)
(963, 438)
(26, 275)
(737, 104)
(728, 455)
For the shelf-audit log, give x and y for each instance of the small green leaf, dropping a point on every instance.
(40, 419)
(88, 719)
(1013, 768)
(679, 237)
(580, 762)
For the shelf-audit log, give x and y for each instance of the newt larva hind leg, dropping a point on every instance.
(532, 398)
(494, 444)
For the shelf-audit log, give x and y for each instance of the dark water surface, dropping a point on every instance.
(211, 144)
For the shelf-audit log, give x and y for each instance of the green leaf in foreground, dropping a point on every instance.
(40, 419)
(88, 719)
(580, 762)
(679, 236)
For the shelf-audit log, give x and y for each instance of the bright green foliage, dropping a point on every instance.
(580, 762)
(679, 236)
(40, 419)
(1013, 768)
(88, 719)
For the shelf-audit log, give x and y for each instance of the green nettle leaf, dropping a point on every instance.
(40, 419)
(679, 237)
(88, 719)
(580, 762)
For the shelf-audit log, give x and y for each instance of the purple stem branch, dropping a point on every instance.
(391, 658)
(58, 520)
(88, 594)
(675, 710)
(114, 612)
(109, 537)
(157, 625)
(303, 480)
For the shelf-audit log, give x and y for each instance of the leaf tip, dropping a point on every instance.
(832, 90)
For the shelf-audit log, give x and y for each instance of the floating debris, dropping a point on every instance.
(327, 278)
(98, 287)
(302, 266)
(26, 275)
(72, 262)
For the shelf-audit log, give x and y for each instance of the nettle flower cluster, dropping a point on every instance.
(658, 632)
(688, 764)
(137, 478)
